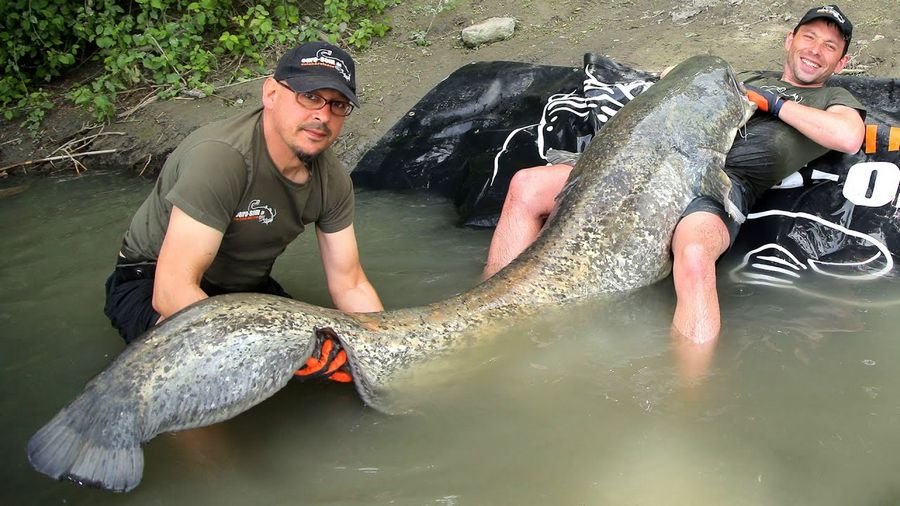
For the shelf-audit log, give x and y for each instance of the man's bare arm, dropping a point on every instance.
(188, 249)
(839, 127)
(347, 283)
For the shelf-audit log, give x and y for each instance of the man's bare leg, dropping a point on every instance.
(531, 197)
(700, 238)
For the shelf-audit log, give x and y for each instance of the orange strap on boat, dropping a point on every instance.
(330, 362)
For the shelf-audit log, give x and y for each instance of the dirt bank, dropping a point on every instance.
(396, 71)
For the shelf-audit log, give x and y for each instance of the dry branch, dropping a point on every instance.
(54, 158)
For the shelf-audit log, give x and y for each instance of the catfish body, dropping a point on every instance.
(609, 233)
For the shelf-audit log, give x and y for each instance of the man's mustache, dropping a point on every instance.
(315, 125)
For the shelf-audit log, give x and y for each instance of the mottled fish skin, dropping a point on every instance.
(611, 230)
(205, 364)
(610, 233)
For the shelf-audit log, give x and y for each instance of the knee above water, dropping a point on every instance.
(527, 189)
(695, 257)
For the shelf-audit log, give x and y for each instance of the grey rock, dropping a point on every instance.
(489, 30)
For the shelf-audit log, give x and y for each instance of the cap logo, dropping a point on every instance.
(323, 58)
(829, 10)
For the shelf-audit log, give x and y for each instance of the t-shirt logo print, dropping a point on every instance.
(263, 214)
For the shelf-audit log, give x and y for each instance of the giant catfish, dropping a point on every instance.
(610, 233)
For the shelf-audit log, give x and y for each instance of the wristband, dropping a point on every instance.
(777, 109)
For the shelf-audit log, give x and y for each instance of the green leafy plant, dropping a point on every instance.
(36, 104)
(350, 21)
(172, 46)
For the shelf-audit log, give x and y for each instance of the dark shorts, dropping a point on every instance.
(129, 297)
(711, 205)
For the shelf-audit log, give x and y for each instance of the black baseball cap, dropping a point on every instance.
(833, 14)
(316, 65)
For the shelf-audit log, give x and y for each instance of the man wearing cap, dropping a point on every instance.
(235, 193)
(798, 119)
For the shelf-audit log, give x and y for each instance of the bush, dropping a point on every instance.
(172, 45)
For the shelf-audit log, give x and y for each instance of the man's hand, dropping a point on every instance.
(331, 362)
(765, 100)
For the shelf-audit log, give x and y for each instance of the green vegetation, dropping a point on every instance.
(173, 46)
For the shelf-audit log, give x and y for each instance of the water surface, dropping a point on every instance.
(582, 405)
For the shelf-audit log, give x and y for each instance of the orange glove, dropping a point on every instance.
(329, 363)
(765, 100)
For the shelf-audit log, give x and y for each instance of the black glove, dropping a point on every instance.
(765, 100)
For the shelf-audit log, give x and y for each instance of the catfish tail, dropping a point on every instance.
(90, 444)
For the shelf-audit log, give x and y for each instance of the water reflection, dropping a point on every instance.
(581, 405)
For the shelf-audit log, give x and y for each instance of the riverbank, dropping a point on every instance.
(424, 47)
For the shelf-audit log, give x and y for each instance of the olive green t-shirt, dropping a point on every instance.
(769, 150)
(222, 176)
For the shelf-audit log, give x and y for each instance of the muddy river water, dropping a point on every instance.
(584, 405)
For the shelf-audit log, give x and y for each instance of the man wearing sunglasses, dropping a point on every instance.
(235, 193)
